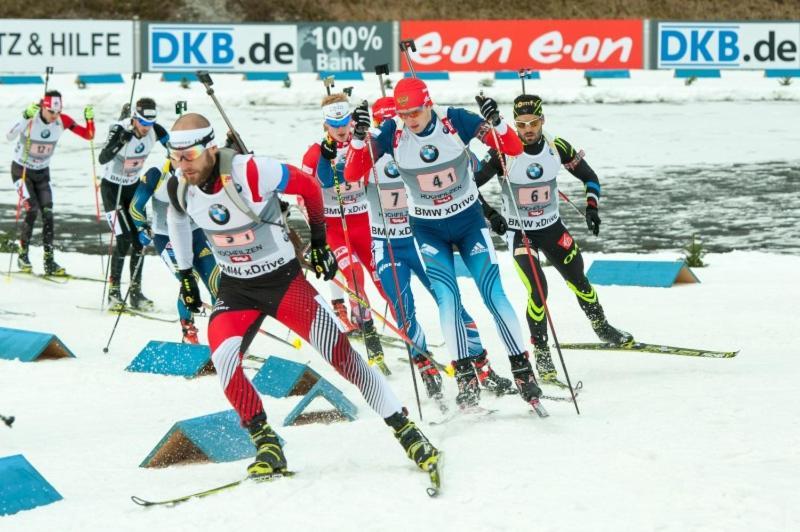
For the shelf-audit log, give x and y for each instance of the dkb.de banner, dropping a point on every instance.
(476, 45)
(31, 45)
(331, 46)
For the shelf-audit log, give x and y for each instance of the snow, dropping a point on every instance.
(662, 442)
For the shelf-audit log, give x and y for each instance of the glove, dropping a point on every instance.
(190, 293)
(323, 261)
(362, 121)
(31, 111)
(145, 235)
(285, 205)
(88, 112)
(125, 112)
(593, 219)
(127, 134)
(328, 148)
(489, 110)
(498, 223)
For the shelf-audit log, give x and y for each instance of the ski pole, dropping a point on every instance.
(47, 72)
(134, 77)
(205, 79)
(529, 252)
(7, 420)
(125, 299)
(405, 46)
(380, 71)
(96, 185)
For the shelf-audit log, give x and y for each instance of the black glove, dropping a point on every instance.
(323, 261)
(593, 220)
(362, 121)
(489, 110)
(498, 223)
(285, 205)
(126, 135)
(190, 293)
(328, 148)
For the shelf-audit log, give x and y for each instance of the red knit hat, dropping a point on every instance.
(383, 108)
(410, 93)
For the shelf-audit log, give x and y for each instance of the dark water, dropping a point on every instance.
(741, 206)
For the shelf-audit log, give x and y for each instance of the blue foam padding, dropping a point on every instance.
(782, 73)
(697, 73)
(178, 76)
(220, 437)
(21, 80)
(172, 358)
(607, 74)
(278, 377)
(514, 75)
(334, 396)
(344, 75)
(430, 76)
(265, 76)
(100, 78)
(28, 346)
(22, 487)
(662, 274)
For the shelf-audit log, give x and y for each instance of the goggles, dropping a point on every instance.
(340, 122)
(188, 145)
(530, 123)
(144, 121)
(411, 113)
(186, 154)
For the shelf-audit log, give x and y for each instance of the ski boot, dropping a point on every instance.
(469, 394)
(51, 267)
(526, 382)
(544, 363)
(488, 379)
(430, 376)
(189, 332)
(138, 299)
(115, 302)
(23, 262)
(609, 334)
(340, 310)
(269, 453)
(372, 341)
(416, 445)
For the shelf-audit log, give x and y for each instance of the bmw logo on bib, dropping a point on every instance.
(534, 171)
(429, 153)
(219, 214)
(139, 148)
(45, 133)
(391, 169)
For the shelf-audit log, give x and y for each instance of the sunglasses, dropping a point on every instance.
(338, 123)
(530, 123)
(54, 111)
(411, 113)
(187, 154)
(146, 123)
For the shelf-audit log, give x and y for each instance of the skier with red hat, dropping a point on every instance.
(436, 167)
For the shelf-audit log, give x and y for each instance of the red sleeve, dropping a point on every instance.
(86, 132)
(311, 160)
(357, 164)
(509, 142)
(302, 184)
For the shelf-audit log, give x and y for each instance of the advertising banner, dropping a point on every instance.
(728, 45)
(221, 47)
(513, 44)
(30, 45)
(330, 46)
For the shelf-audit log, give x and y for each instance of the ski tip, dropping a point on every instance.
(296, 343)
(140, 501)
(435, 474)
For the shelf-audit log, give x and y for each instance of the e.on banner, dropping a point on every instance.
(513, 44)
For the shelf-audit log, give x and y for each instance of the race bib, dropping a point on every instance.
(533, 195)
(394, 199)
(41, 150)
(238, 239)
(132, 165)
(437, 181)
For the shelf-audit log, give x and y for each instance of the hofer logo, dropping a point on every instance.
(728, 45)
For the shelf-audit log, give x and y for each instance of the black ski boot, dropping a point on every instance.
(488, 379)
(609, 334)
(430, 376)
(51, 267)
(269, 453)
(416, 445)
(524, 378)
(138, 300)
(115, 303)
(372, 342)
(469, 394)
(23, 262)
(544, 363)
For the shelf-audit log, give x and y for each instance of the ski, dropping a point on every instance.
(475, 411)
(14, 313)
(57, 279)
(132, 312)
(212, 491)
(562, 385)
(435, 475)
(538, 408)
(643, 347)
(82, 278)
